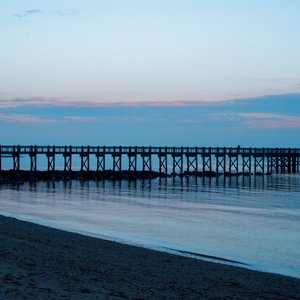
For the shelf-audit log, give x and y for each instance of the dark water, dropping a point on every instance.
(254, 221)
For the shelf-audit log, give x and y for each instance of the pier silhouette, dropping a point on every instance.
(204, 161)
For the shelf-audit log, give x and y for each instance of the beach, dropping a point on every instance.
(38, 262)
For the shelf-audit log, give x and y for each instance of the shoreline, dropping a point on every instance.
(42, 262)
(12, 176)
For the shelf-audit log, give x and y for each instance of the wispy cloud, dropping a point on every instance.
(25, 118)
(81, 119)
(38, 102)
(41, 101)
(270, 120)
(64, 13)
(276, 79)
(28, 13)
(174, 103)
(58, 12)
(29, 118)
(115, 119)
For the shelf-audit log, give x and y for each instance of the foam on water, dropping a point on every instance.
(252, 221)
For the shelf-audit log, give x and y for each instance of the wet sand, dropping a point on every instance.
(37, 262)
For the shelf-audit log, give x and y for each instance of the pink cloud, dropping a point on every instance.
(25, 119)
(270, 120)
(41, 101)
(159, 103)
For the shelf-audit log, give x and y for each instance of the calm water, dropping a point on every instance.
(255, 221)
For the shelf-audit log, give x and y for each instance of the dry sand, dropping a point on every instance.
(42, 263)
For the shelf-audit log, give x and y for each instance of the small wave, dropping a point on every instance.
(208, 256)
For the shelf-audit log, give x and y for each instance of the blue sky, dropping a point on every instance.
(74, 71)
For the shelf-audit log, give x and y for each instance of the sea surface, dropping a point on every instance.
(253, 222)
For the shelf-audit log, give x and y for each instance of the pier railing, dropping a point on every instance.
(183, 159)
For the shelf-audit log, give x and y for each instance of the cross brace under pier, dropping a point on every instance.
(192, 163)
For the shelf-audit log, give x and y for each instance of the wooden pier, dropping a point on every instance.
(182, 160)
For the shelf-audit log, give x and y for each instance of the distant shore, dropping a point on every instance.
(11, 176)
(43, 263)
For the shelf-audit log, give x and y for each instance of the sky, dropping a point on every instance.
(196, 72)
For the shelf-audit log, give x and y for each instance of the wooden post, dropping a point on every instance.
(0, 158)
(33, 164)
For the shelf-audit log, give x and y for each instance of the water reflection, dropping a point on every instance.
(50, 186)
(290, 183)
(32, 186)
(238, 218)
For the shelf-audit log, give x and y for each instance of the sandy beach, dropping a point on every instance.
(43, 263)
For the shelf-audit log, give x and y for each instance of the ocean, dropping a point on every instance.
(253, 222)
